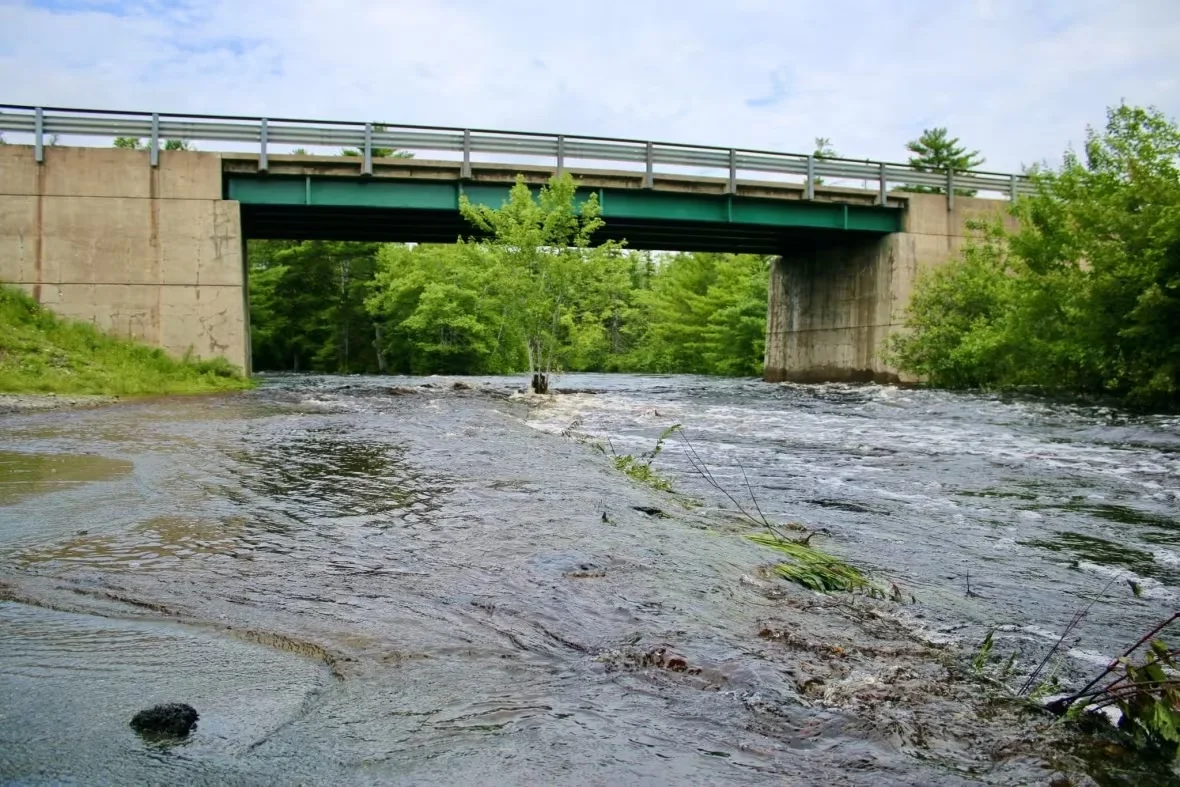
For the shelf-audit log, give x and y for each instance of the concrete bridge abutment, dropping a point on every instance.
(149, 253)
(836, 299)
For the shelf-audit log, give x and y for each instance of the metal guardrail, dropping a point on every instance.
(263, 132)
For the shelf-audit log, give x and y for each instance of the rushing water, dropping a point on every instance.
(360, 579)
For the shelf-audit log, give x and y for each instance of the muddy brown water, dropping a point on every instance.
(361, 580)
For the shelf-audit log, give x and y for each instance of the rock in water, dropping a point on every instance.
(173, 718)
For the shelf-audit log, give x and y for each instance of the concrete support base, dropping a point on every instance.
(829, 311)
(152, 254)
(836, 299)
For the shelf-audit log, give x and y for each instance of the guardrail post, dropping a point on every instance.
(39, 135)
(649, 178)
(950, 189)
(883, 188)
(262, 163)
(367, 153)
(1012, 188)
(811, 177)
(465, 170)
(731, 187)
(154, 142)
(560, 155)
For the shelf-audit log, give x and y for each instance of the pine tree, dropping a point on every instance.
(935, 151)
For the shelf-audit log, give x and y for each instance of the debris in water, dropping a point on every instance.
(586, 571)
(660, 657)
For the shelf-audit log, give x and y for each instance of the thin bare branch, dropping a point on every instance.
(1077, 618)
(1114, 663)
(750, 489)
(702, 468)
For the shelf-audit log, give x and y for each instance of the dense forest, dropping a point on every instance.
(1082, 298)
(399, 309)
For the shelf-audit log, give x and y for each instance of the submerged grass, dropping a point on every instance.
(808, 566)
(639, 467)
(816, 570)
(43, 353)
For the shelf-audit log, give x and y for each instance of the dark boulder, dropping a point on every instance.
(173, 718)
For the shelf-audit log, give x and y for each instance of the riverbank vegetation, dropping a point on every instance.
(43, 353)
(530, 285)
(1083, 298)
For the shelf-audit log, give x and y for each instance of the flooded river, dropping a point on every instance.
(392, 580)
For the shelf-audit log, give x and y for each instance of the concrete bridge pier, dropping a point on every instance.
(835, 299)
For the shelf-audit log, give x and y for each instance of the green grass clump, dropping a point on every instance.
(814, 569)
(43, 353)
(639, 467)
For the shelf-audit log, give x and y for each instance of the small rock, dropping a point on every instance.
(173, 718)
(460, 386)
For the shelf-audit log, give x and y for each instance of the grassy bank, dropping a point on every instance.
(43, 353)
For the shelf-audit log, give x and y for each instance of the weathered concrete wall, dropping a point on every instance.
(154, 254)
(835, 300)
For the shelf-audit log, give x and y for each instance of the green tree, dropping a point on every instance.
(936, 151)
(823, 150)
(307, 306)
(1085, 296)
(377, 152)
(703, 314)
(958, 337)
(593, 321)
(544, 261)
(134, 143)
(736, 328)
(440, 311)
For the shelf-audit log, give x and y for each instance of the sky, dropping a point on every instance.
(1017, 79)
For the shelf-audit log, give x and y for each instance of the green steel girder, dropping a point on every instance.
(725, 215)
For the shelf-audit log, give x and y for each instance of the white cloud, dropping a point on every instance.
(1018, 80)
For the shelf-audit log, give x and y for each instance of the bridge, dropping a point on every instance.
(150, 242)
(414, 200)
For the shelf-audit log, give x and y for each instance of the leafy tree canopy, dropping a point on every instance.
(1085, 296)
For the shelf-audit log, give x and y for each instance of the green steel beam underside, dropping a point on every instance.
(631, 204)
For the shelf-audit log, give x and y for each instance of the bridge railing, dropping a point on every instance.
(45, 123)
